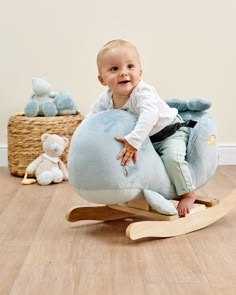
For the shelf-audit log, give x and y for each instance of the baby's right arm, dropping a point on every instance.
(146, 104)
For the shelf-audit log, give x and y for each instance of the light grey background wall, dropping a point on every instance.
(187, 48)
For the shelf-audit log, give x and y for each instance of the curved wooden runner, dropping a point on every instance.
(180, 226)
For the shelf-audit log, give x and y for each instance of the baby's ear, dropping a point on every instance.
(100, 79)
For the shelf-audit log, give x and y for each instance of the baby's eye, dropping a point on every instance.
(114, 69)
(130, 66)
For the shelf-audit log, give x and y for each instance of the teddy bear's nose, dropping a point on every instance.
(56, 149)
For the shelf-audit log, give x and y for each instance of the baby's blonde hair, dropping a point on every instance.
(112, 44)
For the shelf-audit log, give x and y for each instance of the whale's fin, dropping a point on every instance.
(159, 203)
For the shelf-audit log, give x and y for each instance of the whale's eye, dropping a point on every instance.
(125, 172)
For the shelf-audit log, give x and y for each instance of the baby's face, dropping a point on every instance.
(120, 70)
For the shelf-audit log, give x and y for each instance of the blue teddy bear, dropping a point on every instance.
(47, 103)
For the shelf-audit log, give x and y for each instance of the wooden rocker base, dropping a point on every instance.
(104, 213)
(208, 212)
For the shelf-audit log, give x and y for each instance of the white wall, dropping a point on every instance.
(188, 49)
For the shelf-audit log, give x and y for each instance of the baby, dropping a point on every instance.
(119, 69)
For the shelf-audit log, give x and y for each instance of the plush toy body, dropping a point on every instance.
(46, 103)
(48, 168)
(65, 104)
(99, 177)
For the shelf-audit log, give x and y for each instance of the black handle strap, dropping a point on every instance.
(170, 130)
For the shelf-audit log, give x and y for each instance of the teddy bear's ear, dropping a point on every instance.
(66, 140)
(44, 136)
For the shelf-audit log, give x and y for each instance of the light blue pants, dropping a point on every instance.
(172, 151)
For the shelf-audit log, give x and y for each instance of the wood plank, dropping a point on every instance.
(170, 266)
(139, 204)
(21, 215)
(153, 215)
(142, 204)
(206, 202)
(9, 185)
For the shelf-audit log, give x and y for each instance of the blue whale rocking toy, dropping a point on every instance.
(143, 188)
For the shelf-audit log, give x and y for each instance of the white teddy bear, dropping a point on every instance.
(48, 168)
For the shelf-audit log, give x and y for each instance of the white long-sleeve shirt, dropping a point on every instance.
(153, 112)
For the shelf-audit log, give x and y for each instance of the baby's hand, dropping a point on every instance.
(128, 152)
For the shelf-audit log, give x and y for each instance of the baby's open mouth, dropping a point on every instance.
(124, 82)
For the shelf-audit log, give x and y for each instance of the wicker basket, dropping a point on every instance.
(24, 138)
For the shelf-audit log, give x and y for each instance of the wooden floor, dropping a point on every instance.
(42, 253)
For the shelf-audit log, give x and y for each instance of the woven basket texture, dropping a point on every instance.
(24, 138)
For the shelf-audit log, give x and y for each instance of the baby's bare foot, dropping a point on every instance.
(186, 203)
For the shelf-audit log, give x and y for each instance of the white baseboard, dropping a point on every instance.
(227, 155)
(3, 156)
